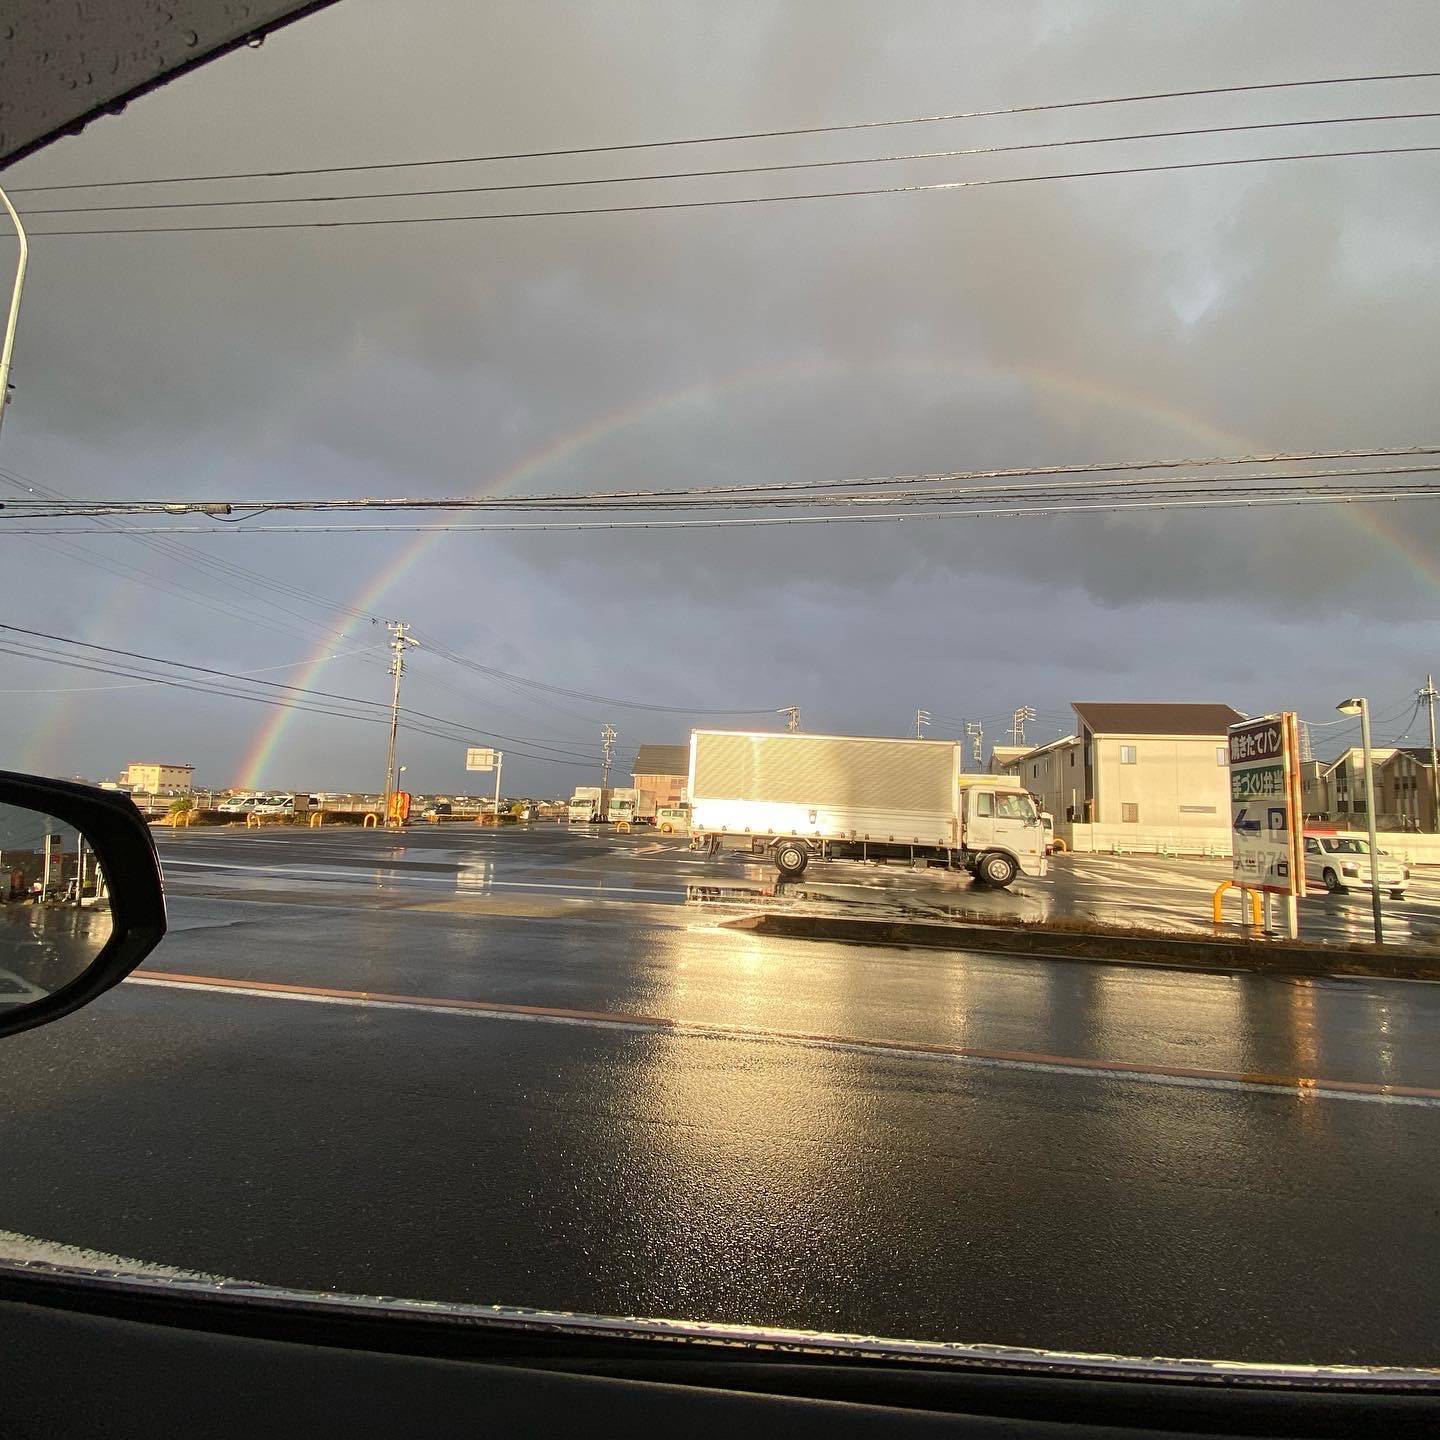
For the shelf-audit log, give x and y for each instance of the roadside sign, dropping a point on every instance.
(1266, 823)
(477, 758)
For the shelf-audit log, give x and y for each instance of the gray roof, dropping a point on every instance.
(1160, 718)
(662, 760)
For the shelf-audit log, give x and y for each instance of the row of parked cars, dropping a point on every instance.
(268, 804)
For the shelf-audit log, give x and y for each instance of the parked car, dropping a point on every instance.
(238, 805)
(673, 819)
(1341, 860)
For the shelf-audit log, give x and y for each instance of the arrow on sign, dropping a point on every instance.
(1244, 825)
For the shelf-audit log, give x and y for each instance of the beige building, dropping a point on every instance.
(150, 779)
(1345, 794)
(1407, 791)
(1145, 775)
(1005, 758)
(662, 772)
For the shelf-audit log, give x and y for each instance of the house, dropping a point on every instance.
(1144, 775)
(662, 772)
(1345, 789)
(1004, 758)
(1046, 772)
(1405, 785)
(1314, 790)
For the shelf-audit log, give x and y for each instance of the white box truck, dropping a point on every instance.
(627, 803)
(852, 797)
(586, 804)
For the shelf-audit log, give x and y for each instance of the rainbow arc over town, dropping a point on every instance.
(259, 758)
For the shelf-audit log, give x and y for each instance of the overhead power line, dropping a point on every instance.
(915, 189)
(729, 170)
(607, 700)
(616, 148)
(1007, 510)
(1225, 464)
(309, 694)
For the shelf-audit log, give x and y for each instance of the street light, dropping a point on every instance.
(1358, 705)
(12, 317)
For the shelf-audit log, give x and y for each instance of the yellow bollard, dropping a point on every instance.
(371, 821)
(252, 821)
(1059, 846)
(623, 825)
(317, 817)
(1218, 898)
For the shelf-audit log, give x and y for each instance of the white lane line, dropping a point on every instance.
(891, 1050)
(358, 877)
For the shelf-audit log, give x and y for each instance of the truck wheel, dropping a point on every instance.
(996, 869)
(791, 858)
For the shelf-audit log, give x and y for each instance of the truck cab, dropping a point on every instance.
(1000, 829)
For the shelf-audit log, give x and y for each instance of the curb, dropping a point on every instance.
(1262, 957)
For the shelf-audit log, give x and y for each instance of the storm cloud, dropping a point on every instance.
(1194, 313)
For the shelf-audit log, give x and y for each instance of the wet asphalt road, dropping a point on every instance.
(534, 1068)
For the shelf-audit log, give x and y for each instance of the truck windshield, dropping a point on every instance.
(1014, 807)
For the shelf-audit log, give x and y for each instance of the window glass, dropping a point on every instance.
(1127, 755)
(1312, 845)
(1014, 807)
(984, 803)
(1222, 756)
(1129, 814)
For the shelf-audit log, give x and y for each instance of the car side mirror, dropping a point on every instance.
(81, 899)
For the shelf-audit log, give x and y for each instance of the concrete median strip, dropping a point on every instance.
(1298, 1086)
(1100, 944)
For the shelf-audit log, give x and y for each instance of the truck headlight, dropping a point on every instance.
(1350, 870)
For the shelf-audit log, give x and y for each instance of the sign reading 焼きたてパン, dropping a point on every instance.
(1265, 818)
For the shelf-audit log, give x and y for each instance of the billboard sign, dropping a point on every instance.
(479, 759)
(1265, 818)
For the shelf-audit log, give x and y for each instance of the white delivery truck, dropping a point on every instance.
(627, 803)
(851, 797)
(586, 804)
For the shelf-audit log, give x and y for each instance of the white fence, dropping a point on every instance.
(1210, 840)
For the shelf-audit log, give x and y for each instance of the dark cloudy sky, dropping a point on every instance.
(1191, 313)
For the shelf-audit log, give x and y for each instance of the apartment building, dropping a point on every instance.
(156, 779)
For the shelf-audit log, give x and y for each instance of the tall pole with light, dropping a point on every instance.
(12, 319)
(1358, 705)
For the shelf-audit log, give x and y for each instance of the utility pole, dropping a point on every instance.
(922, 718)
(607, 747)
(975, 729)
(1017, 724)
(12, 319)
(1358, 705)
(1429, 694)
(399, 639)
(792, 718)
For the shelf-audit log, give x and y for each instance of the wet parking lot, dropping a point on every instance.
(540, 1066)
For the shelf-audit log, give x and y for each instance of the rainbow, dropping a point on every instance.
(561, 448)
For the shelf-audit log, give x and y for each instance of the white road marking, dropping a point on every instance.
(699, 1030)
(361, 877)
